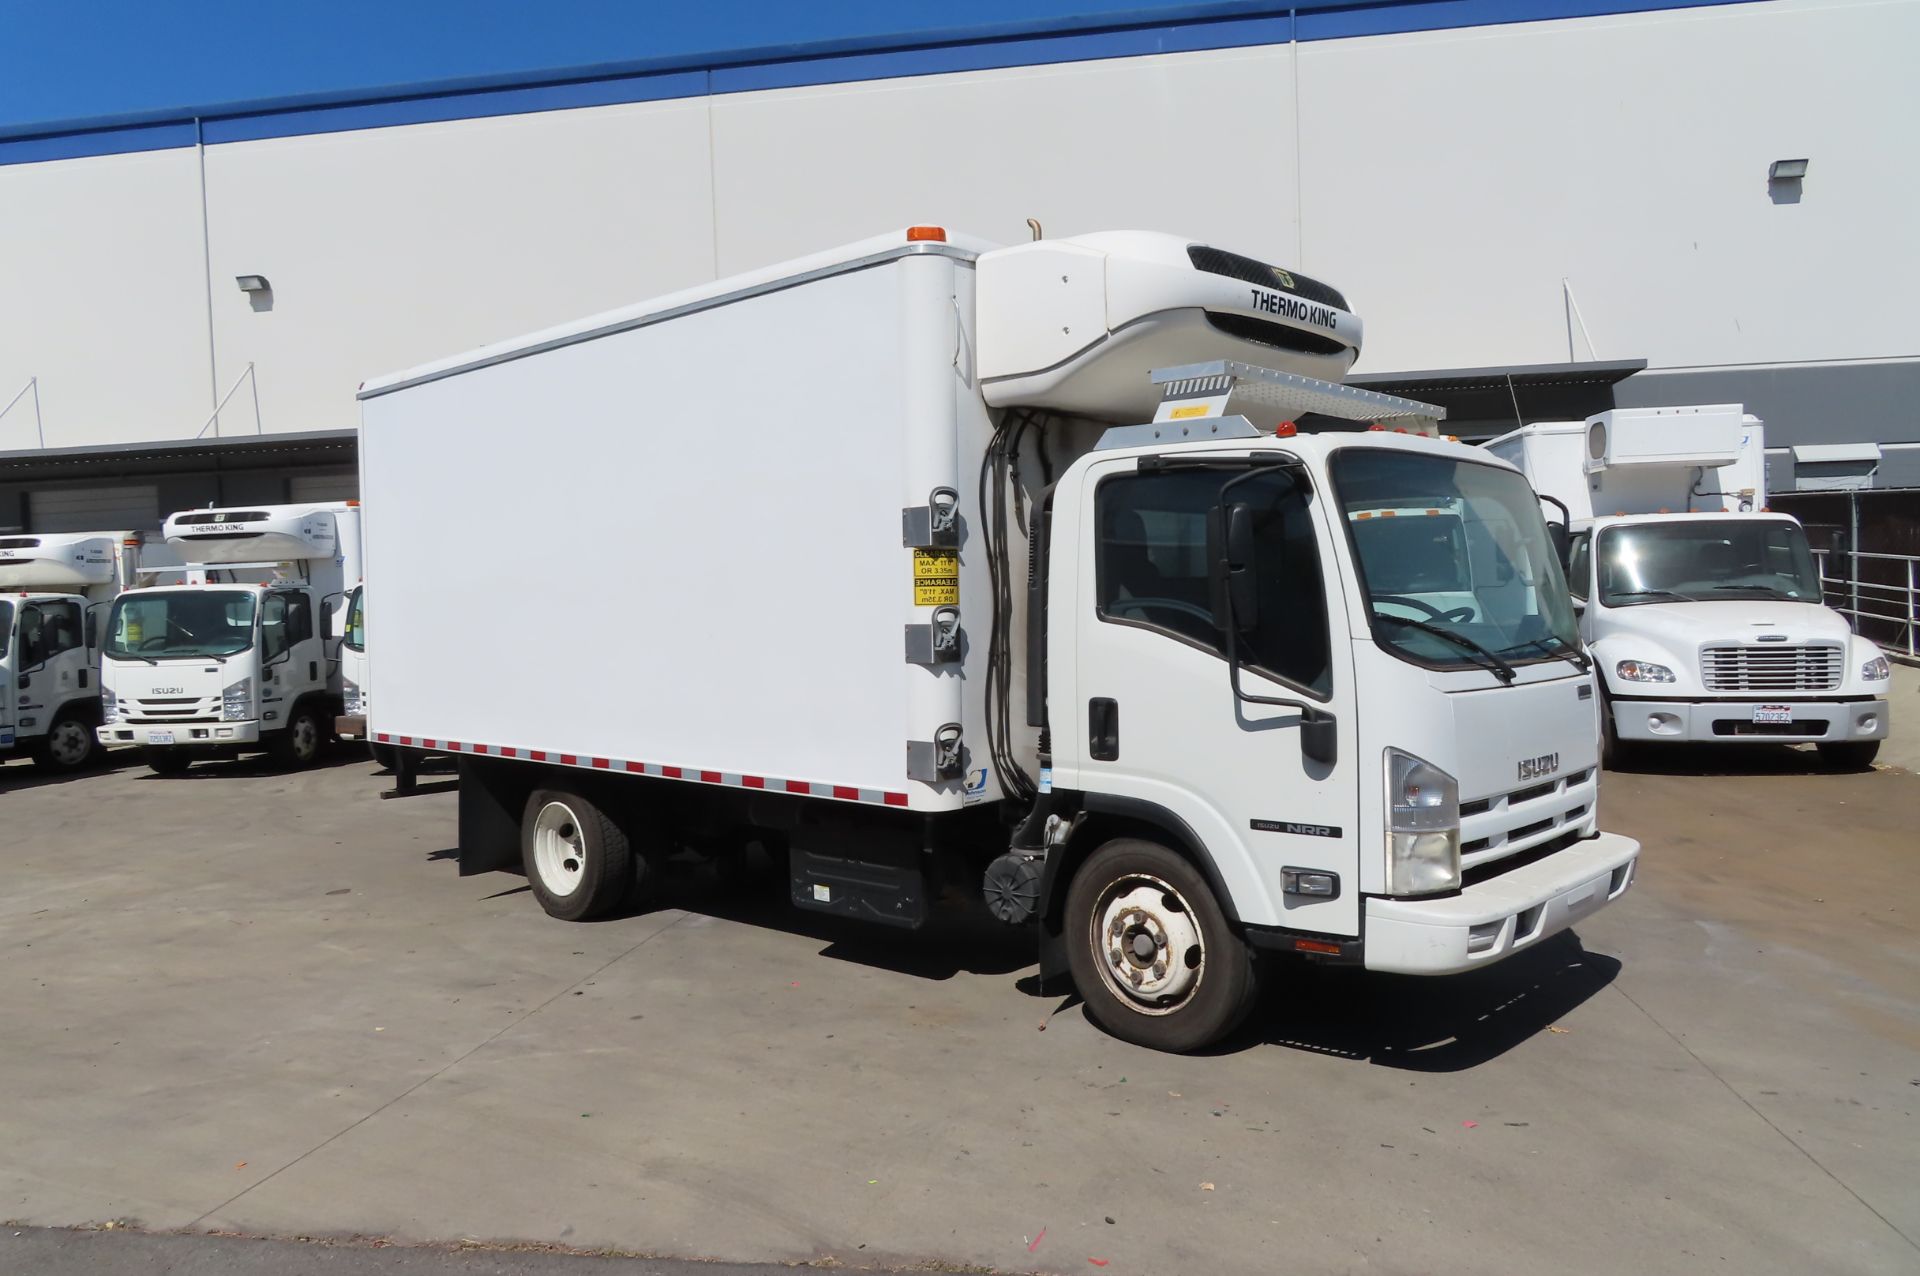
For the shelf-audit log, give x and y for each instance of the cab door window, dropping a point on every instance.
(1151, 568)
(1579, 564)
(274, 639)
(47, 629)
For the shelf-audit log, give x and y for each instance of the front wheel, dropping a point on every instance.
(298, 743)
(69, 745)
(1151, 952)
(1851, 755)
(578, 861)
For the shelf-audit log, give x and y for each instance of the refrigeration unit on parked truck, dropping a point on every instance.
(926, 566)
(54, 591)
(244, 656)
(1702, 607)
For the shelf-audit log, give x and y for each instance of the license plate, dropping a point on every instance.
(1773, 713)
(159, 737)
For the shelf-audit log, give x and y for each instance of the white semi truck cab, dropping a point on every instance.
(1048, 574)
(1702, 608)
(242, 657)
(54, 590)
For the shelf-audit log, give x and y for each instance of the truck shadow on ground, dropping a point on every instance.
(22, 775)
(1447, 1024)
(255, 764)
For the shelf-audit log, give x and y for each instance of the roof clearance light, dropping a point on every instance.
(1375, 426)
(1285, 430)
(926, 234)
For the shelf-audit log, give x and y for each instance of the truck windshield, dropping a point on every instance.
(1695, 559)
(1455, 559)
(6, 628)
(195, 623)
(355, 638)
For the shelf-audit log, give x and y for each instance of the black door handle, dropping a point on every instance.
(1103, 729)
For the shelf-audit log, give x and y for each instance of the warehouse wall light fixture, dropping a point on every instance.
(1790, 170)
(258, 283)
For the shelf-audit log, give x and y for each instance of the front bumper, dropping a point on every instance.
(143, 733)
(350, 726)
(1497, 918)
(1731, 721)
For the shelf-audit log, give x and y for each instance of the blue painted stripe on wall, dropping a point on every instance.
(1309, 20)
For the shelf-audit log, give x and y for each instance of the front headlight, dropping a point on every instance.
(109, 705)
(1423, 827)
(236, 701)
(1643, 671)
(1876, 669)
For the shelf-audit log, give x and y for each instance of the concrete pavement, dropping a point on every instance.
(266, 1004)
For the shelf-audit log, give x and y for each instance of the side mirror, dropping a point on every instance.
(1562, 542)
(327, 623)
(1235, 578)
(1320, 737)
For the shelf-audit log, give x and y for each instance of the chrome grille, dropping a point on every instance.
(1772, 669)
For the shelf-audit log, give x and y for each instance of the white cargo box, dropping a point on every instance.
(56, 562)
(256, 534)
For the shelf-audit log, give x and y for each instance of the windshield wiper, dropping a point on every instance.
(1572, 656)
(1651, 593)
(1501, 669)
(1765, 591)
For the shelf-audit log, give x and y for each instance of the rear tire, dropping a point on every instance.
(1853, 755)
(297, 745)
(1151, 952)
(69, 746)
(164, 761)
(384, 756)
(578, 860)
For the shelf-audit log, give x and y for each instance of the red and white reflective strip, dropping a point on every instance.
(804, 788)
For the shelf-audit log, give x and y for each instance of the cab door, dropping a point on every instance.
(292, 660)
(1158, 729)
(51, 661)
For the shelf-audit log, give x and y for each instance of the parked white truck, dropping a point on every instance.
(356, 679)
(54, 590)
(848, 557)
(1702, 607)
(243, 657)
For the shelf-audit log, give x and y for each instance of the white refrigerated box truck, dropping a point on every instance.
(902, 561)
(244, 656)
(1702, 607)
(54, 591)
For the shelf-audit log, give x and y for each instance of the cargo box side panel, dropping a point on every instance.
(676, 545)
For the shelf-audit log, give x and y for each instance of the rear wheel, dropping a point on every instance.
(297, 745)
(70, 745)
(1853, 755)
(384, 756)
(1151, 952)
(164, 761)
(578, 861)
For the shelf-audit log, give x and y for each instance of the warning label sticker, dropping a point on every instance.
(936, 578)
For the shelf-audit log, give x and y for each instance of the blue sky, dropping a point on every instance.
(72, 60)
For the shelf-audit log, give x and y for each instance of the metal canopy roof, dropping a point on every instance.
(1544, 391)
(118, 460)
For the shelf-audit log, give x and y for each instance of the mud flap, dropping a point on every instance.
(493, 796)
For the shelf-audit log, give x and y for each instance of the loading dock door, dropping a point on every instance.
(323, 487)
(131, 507)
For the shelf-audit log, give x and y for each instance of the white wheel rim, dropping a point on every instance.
(559, 849)
(1148, 944)
(69, 743)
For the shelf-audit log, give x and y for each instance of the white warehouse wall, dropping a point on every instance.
(1447, 181)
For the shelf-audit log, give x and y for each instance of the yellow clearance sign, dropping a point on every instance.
(936, 578)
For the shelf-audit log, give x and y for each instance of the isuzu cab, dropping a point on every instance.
(244, 656)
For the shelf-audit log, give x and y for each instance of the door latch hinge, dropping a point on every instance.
(937, 643)
(941, 758)
(935, 525)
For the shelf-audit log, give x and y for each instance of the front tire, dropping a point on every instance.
(1151, 951)
(165, 761)
(69, 746)
(578, 861)
(1851, 755)
(297, 745)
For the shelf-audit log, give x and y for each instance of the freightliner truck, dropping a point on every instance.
(54, 590)
(903, 562)
(1702, 607)
(242, 658)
